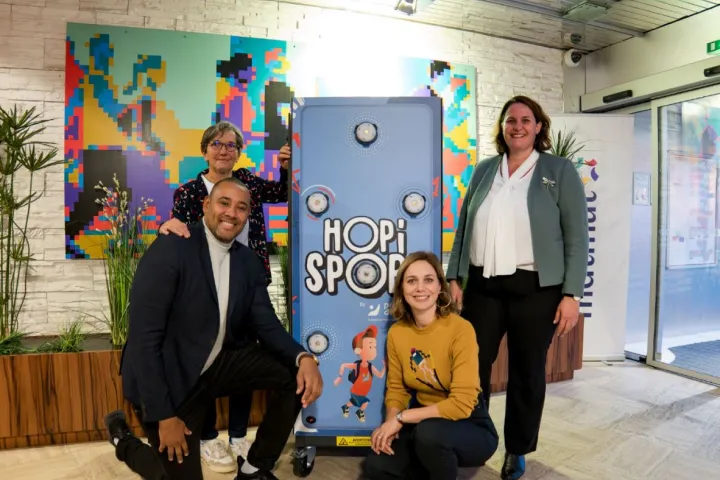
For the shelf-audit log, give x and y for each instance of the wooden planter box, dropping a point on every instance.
(564, 357)
(60, 398)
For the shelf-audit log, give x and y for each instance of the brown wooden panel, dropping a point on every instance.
(62, 398)
(564, 357)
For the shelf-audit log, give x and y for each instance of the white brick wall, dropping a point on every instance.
(32, 73)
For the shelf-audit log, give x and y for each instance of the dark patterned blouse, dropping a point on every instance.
(188, 206)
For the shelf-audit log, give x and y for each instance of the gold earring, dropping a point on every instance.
(449, 302)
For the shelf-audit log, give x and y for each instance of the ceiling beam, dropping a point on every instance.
(531, 7)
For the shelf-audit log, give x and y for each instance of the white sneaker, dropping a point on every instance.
(215, 454)
(240, 447)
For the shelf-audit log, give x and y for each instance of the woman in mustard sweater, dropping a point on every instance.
(436, 420)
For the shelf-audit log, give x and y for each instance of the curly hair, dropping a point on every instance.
(399, 308)
(543, 141)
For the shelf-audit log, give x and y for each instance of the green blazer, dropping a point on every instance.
(558, 222)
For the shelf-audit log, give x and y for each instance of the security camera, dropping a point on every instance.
(572, 57)
(572, 38)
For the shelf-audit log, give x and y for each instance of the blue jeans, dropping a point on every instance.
(239, 416)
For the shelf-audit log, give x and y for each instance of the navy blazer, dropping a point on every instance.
(174, 319)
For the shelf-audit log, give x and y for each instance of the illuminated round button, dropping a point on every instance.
(414, 203)
(366, 133)
(317, 203)
(366, 273)
(318, 343)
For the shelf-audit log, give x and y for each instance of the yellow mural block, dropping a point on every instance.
(98, 128)
(179, 143)
(92, 245)
(460, 136)
(221, 91)
(447, 241)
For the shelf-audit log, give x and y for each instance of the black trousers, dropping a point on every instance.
(239, 407)
(233, 372)
(434, 449)
(516, 305)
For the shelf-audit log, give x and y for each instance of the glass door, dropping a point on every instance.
(685, 283)
(640, 265)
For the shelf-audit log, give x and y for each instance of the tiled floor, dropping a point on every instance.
(624, 421)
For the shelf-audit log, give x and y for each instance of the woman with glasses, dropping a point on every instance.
(221, 146)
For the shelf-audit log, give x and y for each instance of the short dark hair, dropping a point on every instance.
(233, 180)
(542, 140)
(218, 129)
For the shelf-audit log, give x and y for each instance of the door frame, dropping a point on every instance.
(653, 328)
(643, 107)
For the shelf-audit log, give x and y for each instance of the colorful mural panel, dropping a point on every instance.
(138, 100)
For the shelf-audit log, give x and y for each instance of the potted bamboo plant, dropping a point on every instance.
(23, 156)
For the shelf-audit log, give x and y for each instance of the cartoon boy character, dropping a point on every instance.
(361, 372)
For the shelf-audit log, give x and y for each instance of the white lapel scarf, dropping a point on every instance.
(500, 253)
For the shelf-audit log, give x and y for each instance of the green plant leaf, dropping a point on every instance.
(565, 144)
(21, 149)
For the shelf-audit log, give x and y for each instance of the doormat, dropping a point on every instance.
(703, 357)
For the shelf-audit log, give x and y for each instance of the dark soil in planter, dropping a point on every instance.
(92, 343)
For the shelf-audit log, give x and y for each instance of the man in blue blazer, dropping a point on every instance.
(192, 299)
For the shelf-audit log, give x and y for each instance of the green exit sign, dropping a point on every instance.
(713, 48)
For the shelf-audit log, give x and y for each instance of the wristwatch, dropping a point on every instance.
(306, 354)
(577, 299)
(398, 417)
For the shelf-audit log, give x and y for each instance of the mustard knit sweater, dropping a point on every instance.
(439, 362)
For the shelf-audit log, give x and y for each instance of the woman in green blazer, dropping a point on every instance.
(522, 245)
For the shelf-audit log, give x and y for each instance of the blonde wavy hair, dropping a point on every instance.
(399, 308)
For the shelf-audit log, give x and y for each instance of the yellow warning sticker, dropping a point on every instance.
(353, 441)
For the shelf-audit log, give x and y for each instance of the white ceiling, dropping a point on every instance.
(537, 21)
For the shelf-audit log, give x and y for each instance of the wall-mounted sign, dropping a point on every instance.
(713, 48)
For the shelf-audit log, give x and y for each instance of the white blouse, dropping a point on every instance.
(501, 229)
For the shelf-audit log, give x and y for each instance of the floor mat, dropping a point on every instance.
(703, 357)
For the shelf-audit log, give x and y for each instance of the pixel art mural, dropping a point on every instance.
(138, 100)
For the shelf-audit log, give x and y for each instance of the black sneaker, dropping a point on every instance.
(117, 426)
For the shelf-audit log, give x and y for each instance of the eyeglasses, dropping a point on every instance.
(230, 147)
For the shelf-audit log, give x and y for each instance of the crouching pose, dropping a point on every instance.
(191, 297)
(433, 353)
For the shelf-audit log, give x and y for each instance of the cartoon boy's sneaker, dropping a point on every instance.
(346, 411)
(361, 415)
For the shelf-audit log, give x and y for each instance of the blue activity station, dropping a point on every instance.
(366, 190)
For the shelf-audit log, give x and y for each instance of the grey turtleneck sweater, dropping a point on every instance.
(220, 258)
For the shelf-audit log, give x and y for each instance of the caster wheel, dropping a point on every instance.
(302, 467)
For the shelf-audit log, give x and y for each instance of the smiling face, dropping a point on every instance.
(520, 128)
(223, 152)
(421, 286)
(226, 210)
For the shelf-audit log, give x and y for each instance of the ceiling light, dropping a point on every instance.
(585, 12)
